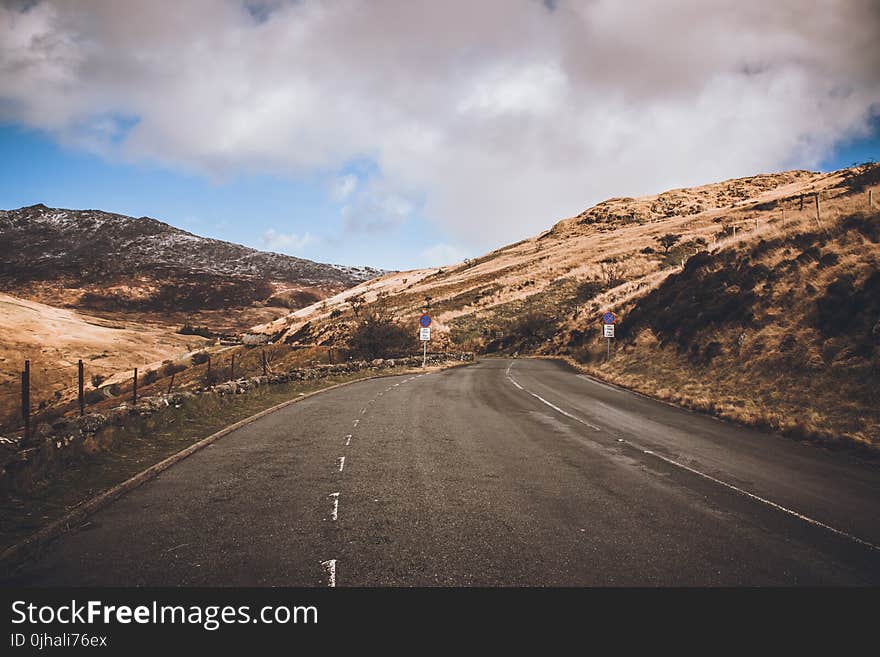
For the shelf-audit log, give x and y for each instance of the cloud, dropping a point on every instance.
(491, 119)
(344, 186)
(287, 242)
(442, 254)
(376, 208)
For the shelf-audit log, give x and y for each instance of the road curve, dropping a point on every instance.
(504, 473)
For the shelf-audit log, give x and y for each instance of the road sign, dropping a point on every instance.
(609, 330)
(609, 318)
(425, 321)
(424, 333)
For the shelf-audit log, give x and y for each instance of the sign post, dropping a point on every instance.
(608, 320)
(424, 336)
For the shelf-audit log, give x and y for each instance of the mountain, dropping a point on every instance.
(103, 261)
(755, 299)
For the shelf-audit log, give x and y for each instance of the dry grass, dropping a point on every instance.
(54, 339)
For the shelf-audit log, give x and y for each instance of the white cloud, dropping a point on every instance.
(344, 186)
(442, 254)
(498, 116)
(287, 242)
(376, 208)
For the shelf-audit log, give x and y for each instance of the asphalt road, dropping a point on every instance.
(504, 473)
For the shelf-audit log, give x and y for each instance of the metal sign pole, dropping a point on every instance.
(425, 335)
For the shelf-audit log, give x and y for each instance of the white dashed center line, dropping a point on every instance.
(330, 568)
(334, 514)
(341, 461)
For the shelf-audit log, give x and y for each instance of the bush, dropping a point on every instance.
(93, 396)
(377, 337)
(668, 241)
(170, 368)
(200, 357)
(97, 380)
(149, 377)
(335, 313)
(612, 273)
(532, 328)
(587, 290)
(203, 331)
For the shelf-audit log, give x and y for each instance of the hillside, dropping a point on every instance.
(748, 282)
(54, 339)
(104, 262)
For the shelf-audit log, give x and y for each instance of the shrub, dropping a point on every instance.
(149, 377)
(203, 331)
(93, 396)
(377, 337)
(532, 328)
(668, 241)
(335, 313)
(612, 273)
(97, 380)
(588, 289)
(170, 368)
(200, 357)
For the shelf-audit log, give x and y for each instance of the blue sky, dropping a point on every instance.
(417, 133)
(242, 209)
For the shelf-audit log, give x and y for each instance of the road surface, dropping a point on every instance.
(504, 473)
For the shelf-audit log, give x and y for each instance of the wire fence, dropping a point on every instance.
(57, 391)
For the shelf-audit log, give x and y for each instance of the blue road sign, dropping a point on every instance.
(425, 321)
(608, 318)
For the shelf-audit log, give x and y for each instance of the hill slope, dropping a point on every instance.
(55, 338)
(690, 271)
(110, 262)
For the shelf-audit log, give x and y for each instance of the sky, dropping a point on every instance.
(415, 134)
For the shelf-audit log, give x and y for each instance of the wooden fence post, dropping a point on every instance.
(134, 388)
(26, 399)
(330, 355)
(870, 199)
(81, 384)
(232, 367)
(818, 222)
(171, 383)
(263, 361)
(209, 368)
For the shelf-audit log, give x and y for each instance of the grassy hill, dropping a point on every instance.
(739, 298)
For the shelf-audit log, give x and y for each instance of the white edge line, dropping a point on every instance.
(758, 498)
(553, 406)
(753, 496)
